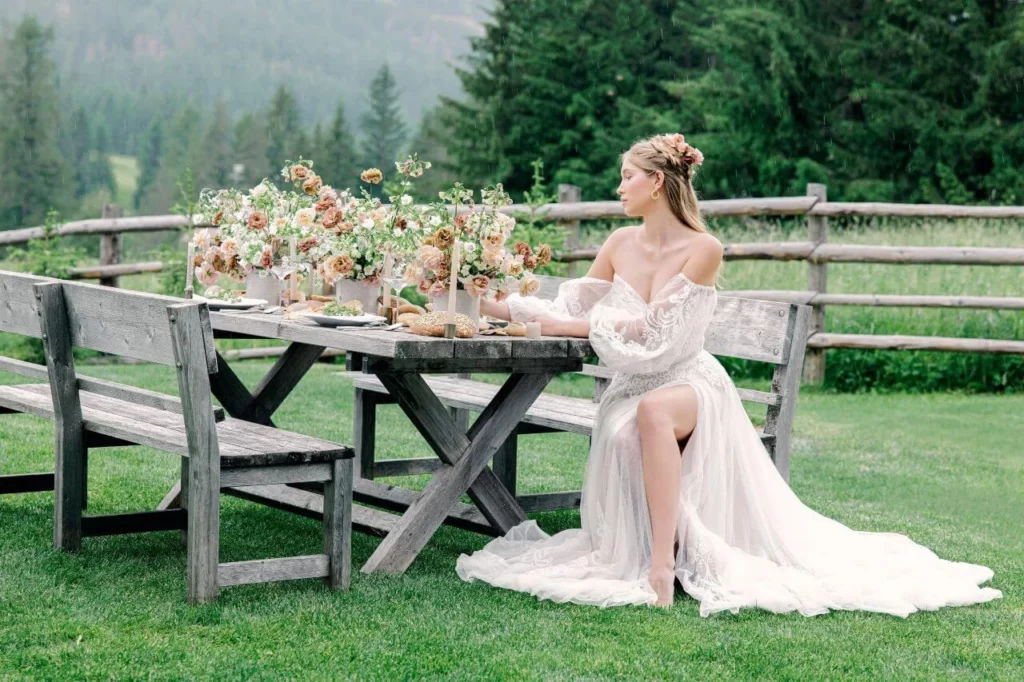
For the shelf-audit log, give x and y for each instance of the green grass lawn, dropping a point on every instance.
(945, 469)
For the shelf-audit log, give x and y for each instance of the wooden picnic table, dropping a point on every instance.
(399, 358)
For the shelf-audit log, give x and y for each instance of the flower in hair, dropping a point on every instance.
(687, 151)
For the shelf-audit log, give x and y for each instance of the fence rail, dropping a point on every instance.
(816, 251)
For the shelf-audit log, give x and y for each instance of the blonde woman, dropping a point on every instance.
(678, 486)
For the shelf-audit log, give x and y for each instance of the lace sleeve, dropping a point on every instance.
(575, 300)
(669, 329)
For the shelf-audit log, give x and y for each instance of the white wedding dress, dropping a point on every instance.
(745, 539)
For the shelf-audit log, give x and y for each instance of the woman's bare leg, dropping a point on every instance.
(664, 418)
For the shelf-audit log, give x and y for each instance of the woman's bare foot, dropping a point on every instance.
(663, 582)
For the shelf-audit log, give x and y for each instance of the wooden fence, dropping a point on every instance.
(816, 251)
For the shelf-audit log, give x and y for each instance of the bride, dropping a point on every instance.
(678, 485)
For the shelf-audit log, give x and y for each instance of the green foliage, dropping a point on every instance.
(49, 255)
(336, 160)
(382, 126)
(150, 154)
(533, 228)
(32, 168)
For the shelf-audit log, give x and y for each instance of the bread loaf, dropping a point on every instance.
(432, 324)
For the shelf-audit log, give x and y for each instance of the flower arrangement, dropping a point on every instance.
(250, 229)
(341, 236)
(358, 233)
(485, 264)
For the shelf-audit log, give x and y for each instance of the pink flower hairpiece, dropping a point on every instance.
(687, 151)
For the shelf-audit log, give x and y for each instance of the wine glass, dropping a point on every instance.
(282, 269)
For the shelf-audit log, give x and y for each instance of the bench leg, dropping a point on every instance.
(69, 492)
(203, 532)
(338, 523)
(364, 431)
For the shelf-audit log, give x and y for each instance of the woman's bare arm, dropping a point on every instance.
(601, 268)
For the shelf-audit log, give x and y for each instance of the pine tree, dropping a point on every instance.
(216, 164)
(336, 159)
(282, 122)
(572, 88)
(101, 174)
(182, 150)
(32, 169)
(382, 126)
(429, 143)
(249, 150)
(77, 144)
(150, 156)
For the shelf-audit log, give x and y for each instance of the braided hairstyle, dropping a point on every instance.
(678, 160)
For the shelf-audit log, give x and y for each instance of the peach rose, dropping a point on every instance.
(312, 185)
(328, 193)
(217, 217)
(323, 205)
(495, 240)
(523, 249)
(530, 262)
(424, 286)
(267, 259)
(478, 286)
(492, 258)
(529, 286)
(543, 254)
(331, 217)
(344, 226)
(257, 220)
(429, 257)
(207, 275)
(371, 175)
(307, 244)
(444, 238)
(298, 172)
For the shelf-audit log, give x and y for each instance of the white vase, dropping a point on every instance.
(367, 294)
(265, 285)
(464, 304)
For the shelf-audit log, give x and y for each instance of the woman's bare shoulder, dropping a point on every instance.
(705, 259)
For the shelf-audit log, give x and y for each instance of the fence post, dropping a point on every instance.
(817, 282)
(110, 245)
(570, 194)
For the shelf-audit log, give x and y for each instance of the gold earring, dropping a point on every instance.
(655, 194)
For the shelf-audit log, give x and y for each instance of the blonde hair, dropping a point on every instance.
(662, 153)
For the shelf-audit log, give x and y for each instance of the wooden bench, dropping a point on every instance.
(230, 453)
(763, 331)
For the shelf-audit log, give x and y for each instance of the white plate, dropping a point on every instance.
(244, 304)
(344, 320)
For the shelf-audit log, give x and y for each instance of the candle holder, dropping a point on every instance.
(450, 330)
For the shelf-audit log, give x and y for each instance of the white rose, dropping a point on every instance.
(368, 224)
(435, 220)
(406, 200)
(414, 226)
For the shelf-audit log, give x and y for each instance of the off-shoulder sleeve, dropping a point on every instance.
(669, 329)
(576, 298)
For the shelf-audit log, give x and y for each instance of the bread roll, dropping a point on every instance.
(432, 324)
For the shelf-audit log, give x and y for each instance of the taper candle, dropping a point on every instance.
(454, 282)
(292, 252)
(189, 273)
